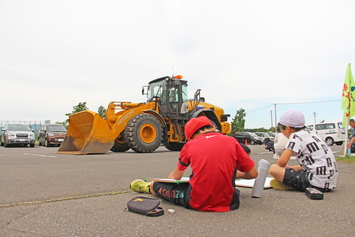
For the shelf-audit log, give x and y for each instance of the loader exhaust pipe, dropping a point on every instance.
(87, 133)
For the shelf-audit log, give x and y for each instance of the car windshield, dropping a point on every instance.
(18, 127)
(56, 128)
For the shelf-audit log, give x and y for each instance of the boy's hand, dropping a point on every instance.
(176, 174)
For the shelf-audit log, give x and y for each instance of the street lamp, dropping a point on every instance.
(314, 113)
(272, 129)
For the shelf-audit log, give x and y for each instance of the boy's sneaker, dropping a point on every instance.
(279, 185)
(140, 186)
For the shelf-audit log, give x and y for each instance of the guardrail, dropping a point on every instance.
(35, 125)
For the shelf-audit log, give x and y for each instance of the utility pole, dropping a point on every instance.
(275, 120)
(272, 129)
(314, 117)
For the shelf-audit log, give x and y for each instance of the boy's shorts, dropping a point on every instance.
(298, 180)
(173, 192)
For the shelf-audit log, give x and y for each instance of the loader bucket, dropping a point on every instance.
(87, 133)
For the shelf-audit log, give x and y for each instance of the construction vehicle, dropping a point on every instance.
(142, 127)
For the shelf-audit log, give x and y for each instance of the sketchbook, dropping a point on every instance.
(247, 183)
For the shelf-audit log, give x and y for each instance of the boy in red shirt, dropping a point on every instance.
(214, 160)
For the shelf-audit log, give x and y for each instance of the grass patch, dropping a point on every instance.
(347, 159)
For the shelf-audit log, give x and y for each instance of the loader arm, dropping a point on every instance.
(117, 121)
(88, 133)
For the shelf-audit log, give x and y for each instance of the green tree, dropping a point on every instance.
(262, 129)
(64, 123)
(102, 111)
(238, 122)
(77, 108)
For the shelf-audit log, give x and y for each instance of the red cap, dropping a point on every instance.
(195, 124)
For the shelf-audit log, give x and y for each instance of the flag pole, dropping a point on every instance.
(346, 134)
(348, 102)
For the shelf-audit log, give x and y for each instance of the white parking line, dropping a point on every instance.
(38, 155)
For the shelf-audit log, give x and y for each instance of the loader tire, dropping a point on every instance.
(120, 145)
(174, 146)
(143, 133)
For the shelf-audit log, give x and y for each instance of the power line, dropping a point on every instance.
(260, 108)
(311, 102)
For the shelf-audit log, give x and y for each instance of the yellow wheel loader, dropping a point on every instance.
(142, 127)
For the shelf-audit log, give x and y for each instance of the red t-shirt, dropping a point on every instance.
(214, 159)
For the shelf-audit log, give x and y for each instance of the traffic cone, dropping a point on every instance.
(246, 143)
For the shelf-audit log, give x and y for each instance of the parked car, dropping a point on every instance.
(251, 138)
(330, 132)
(272, 134)
(265, 136)
(17, 134)
(51, 134)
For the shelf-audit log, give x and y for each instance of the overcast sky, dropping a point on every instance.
(241, 54)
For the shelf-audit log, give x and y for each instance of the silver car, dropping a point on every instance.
(17, 134)
(265, 136)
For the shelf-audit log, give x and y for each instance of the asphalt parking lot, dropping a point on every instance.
(44, 193)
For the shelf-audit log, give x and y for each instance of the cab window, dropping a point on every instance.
(157, 89)
(184, 92)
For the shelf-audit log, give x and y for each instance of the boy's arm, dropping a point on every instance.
(286, 155)
(176, 174)
(351, 142)
(251, 174)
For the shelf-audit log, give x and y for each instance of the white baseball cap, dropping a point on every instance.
(292, 118)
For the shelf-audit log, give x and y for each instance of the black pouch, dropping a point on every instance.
(353, 148)
(145, 206)
(314, 193)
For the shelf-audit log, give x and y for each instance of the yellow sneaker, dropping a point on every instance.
(279, 185)
(140, 186)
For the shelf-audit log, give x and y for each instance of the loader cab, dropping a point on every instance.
(177, 94)
(170, 94)
(157, 90)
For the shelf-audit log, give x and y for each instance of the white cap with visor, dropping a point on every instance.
(292, 118)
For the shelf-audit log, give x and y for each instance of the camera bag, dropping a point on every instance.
(145, 206)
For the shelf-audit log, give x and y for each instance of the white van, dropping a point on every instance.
(330, 132)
